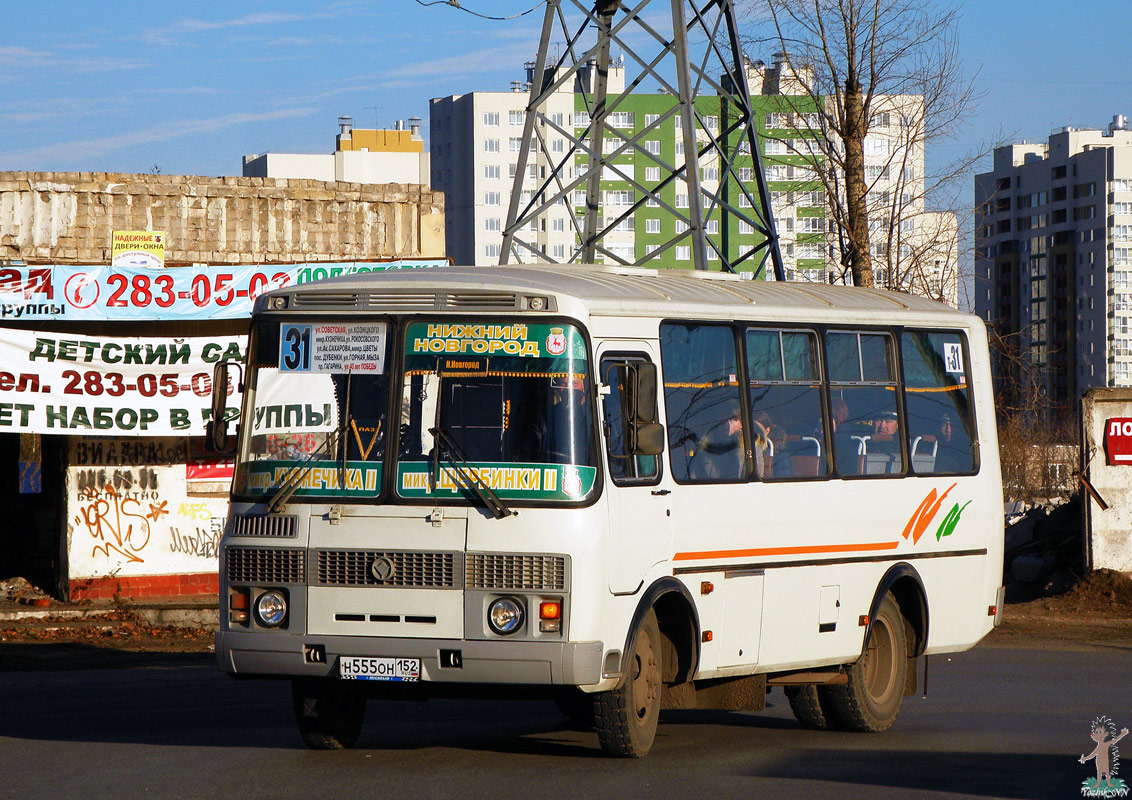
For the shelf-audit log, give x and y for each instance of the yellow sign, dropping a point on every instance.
(138, 249)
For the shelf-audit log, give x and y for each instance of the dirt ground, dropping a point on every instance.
(1094, 613)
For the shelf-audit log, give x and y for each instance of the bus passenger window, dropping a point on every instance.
(624, 467)
(937, 396)
(862, 383)
(785, 399)
(703, 406)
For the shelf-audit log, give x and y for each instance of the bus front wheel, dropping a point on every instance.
(626, 717)
(329, 712)
(871, 698)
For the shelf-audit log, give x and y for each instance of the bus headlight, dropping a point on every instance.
(505, 616)
(271, 608)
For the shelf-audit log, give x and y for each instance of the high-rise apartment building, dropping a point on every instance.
(1053, 258)
(476, 139)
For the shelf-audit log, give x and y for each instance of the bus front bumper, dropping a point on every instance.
(281, 654)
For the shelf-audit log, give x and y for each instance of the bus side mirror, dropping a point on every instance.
(646, 435)
(216, 432)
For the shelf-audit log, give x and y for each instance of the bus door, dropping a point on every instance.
(638, 494)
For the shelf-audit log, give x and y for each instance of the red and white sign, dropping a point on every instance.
(1118, 440)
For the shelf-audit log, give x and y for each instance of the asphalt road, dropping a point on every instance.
(998, 722)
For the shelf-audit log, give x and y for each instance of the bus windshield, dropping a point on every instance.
(513, 401)
(318, 396)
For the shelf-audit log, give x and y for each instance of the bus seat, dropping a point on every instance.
(923, 460)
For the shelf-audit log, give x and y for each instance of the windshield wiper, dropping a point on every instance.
(279, 500)
(443, 440)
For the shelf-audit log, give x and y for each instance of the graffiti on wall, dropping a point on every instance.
(119, 519)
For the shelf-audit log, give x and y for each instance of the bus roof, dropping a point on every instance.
(602, 290)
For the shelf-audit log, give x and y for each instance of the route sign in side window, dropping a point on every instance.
(937, 394)
(703, 403)
(865, 416)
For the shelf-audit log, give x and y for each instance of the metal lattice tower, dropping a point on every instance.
(688, 49)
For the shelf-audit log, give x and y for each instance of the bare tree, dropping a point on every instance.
(887, 67)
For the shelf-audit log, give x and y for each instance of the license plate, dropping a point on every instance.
(365, 668)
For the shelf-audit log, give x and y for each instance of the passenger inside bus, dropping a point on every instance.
(720, 455)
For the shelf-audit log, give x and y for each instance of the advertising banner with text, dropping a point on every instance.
(99, 293)
(63, 383)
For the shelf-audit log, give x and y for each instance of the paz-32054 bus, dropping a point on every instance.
(624, 489)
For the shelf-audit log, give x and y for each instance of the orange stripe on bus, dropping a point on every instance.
(787, 551)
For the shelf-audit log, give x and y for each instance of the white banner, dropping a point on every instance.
(62, 383)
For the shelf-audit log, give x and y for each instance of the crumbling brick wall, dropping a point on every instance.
(68, 217)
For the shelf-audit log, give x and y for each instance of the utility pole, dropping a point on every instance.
(687, 50)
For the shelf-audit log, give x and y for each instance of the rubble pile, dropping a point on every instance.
(1044, 553)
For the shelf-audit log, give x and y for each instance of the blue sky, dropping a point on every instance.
(190, 88)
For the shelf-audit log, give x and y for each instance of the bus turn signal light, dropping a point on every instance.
(550, 610)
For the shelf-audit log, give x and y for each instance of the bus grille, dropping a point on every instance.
(259, 525)
(265, 565)
(356, 568)
(499, 571)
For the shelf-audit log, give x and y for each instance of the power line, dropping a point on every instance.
(456, 4)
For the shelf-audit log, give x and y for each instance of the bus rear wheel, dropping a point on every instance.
(329, 712)
(810, 706)
(626, 717)
(871, 698)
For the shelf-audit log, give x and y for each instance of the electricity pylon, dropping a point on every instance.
(687, 49)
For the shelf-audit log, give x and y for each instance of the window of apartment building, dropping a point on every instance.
(579, 197)
(581, 119)
(558, 224)
(1121, 256)
(558, 251)
(1057, 173)
(624, 226)
(491, 171)
(813, 199)
(681, 201)
(557, 119)
(712, 226)
(774, 147)
(780, 199)
(1085, 212)
(491, 198)
(710, 174)
(491, 118)
(806, 172)
(680, 225)
(811, 224)
(746, 227)
(651, 203)
(557, 145)
(874, 171)
(679, 145)
(1120, 186)
(1085, 189)
(491, 145)
(491, 223)
(777, 172)
(619, 197)
(652, 146)
(745, 174)
(652, 174)
(491, 250)
(610, 143)
(711, 122)
(515, 144)
(621, 119)
(712, 254)
(907, 226)
(651, 119)
(876, 146)
(1058, 194)
(1122, 208)
(777, 121)
(809, 250)
(1121, 233)
(683, 253)
(879, 120)
(652, 226)
(744, 200)
(516, 117)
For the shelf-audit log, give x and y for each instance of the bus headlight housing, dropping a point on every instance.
(271, 608)
(505, 616)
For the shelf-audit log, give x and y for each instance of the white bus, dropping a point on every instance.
(623, 489)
